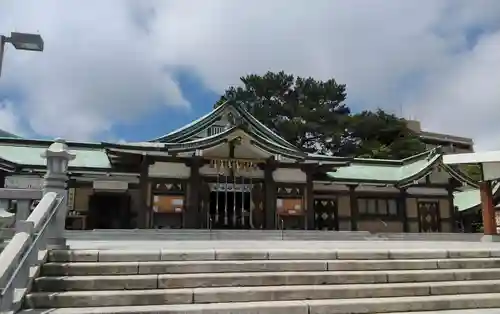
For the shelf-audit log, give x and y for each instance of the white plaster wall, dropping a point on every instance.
(340, 187)
(381, 189)
(330, 187)
(23, 182)
(426, 191)
(439, 176)
(208, 170)
(289, 175)
(92, 178)
(491, 170)
(169, 170)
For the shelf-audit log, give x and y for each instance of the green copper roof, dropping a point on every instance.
(5, 134)
(387, 171)
(187, 132)
(470, 199)
(398, 172)
(30, 155)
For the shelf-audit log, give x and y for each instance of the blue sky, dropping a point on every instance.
(136, 69)
(164, 120)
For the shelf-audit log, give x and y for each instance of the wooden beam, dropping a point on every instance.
(488, 210)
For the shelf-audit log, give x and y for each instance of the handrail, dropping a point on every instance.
(23, 250)
(210, 223)
(281, 226)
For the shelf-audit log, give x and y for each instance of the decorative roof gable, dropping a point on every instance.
(401, 173)
(223, 118)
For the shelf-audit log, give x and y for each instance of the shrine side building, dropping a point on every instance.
(227, 170)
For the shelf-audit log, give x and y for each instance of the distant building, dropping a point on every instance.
(448, 143)
(5, 134)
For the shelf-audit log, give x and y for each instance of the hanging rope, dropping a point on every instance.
(242, 210)
(225, 202)
(217, 189)
(234, 197)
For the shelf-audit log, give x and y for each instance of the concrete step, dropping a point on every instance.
(254, 294)
(329, 306)
(265, 254)
(267, 281)
(167, 281)
(205, 234)
(180, 267)
(475, 311)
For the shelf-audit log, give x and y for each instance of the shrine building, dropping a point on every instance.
(227, 170)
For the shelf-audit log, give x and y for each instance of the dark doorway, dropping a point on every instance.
(230, 210)
(108, 210)
(325, 214)
(428, 213)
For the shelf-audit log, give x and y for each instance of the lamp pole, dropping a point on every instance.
(20, 41)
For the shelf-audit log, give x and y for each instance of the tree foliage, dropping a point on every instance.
(308, 113)
(312, 115)
(379, 134)
(473, 171)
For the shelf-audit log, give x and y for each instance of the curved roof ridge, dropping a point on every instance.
(191, 124)
(264, 127)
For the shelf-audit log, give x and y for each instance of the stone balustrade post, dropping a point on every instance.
(57, 158)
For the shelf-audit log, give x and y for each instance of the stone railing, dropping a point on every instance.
(22, 200)
(26, 251)
(35, 232)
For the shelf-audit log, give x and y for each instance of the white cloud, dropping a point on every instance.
(105, 60)
(97, 67)
(9, 119)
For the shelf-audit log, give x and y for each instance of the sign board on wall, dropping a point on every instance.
(23, 182)
(111, 185)
(71, 199)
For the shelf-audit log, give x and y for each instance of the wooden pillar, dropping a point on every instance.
(191, 217)
(354, 207)
(270, 194)
(309, 196)
(452, 212)
(2, 179)
(489, 221)
(143, 220)
(403, 216)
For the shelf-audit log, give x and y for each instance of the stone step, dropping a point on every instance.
(166, 281)
(329, 306)
(276, 254)
(474, 311)
(179, 267)
(221, 237)
(254, 294)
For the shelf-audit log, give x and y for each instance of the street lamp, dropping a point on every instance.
(20, 41)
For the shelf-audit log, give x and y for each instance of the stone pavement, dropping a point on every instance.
(264, 244)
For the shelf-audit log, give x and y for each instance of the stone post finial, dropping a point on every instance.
(57, 157)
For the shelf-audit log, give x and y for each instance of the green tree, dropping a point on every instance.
(312, 115)
(379, 134)
(473, 171)
(308, 113)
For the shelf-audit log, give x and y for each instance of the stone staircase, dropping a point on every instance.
(271, 235)
(216, 235)
(299, 281)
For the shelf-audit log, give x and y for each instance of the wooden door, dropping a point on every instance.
(428, 215)
(325, 214)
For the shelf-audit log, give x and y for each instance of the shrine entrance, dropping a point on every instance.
(231, 195)
(230, 210)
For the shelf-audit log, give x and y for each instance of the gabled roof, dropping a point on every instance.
(471, 199)
(5, 134)
(188, 131)
(396, 172)
(27, 153)
(235, 132)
